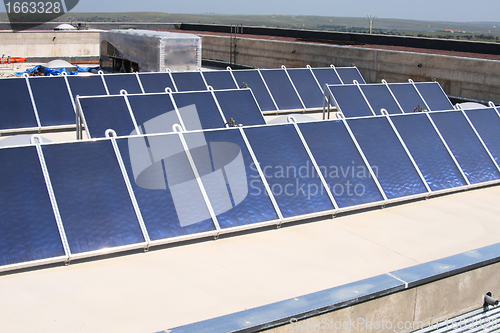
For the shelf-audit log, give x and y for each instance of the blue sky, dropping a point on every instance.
(435, 10)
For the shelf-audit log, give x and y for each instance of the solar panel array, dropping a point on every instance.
(38, 102)
(64, 201)
(364, 100)
(157, 113)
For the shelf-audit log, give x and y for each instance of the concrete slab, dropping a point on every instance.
(180, 285)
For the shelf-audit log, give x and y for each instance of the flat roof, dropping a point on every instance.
(174, 286)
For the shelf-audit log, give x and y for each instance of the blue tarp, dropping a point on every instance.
(57, 71)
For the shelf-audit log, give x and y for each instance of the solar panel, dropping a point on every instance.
(164, 185)
(92, 197)
(86, 85)
(53, 101)
(340, 163)
(380, 97)
(282, 90)
(309, 91)
(349, 74)
(156, 82)
(326, 76)
(254, 81)
(387, 157)
(189, 81)
(487, 124)
(117, 82)
(466, 147)
(407, 97)
(220, 79)
(433, 159)
(350, 101)
(241, 106)
(198, 110)
(288, 170)
(434, 96)
(154, 113)
(230, 178)
(107, 112)
(16, 109)
(28, 231)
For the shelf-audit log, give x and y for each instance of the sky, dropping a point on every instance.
(434, 10)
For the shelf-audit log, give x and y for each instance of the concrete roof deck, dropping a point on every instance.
(174, 286)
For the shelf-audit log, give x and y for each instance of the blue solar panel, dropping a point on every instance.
(198, 110)
(156, 82)
(28, 229)
(86, 85)
(154, 113)
(407, 96)
(306, 85)
(429, 152)
(93, 200)
(53, 101)
(466, 147)
(349, 74)
(220, 80)
(189, 81)
(434, 96)
(380, 98)
(487, 124)
(16, 110)
(387, 157)
(254, 82)
(340, 163)
(241, 106)
(103, 113)
(167, 193)
(288, 170)
(230, 177)
(326, 76)
(117, 82)
(350, 101)
(281, 89)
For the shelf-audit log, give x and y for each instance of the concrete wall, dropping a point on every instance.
(463, 77)
(50, 44)
(414, 308)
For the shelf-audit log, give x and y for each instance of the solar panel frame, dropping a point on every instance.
(326, 75)
(243, 102)
(151, 86)
(96, 126)
(407, 96)
(430, 153)
(357, 99)
(211, 80)
(381, 146)
(49, 100)
(354, 153)
(282, 89)
(434, 96)
(307, 87)
(390, 104)
(349, 74)
(487, 123)
(41, 208)
(290, 211)
(61, 178)
(117, 82)
(260, 90)
(20, 110)
(189, 81)
(467, 146)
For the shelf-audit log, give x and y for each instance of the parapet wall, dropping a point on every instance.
(41, 46)
(463, 77)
